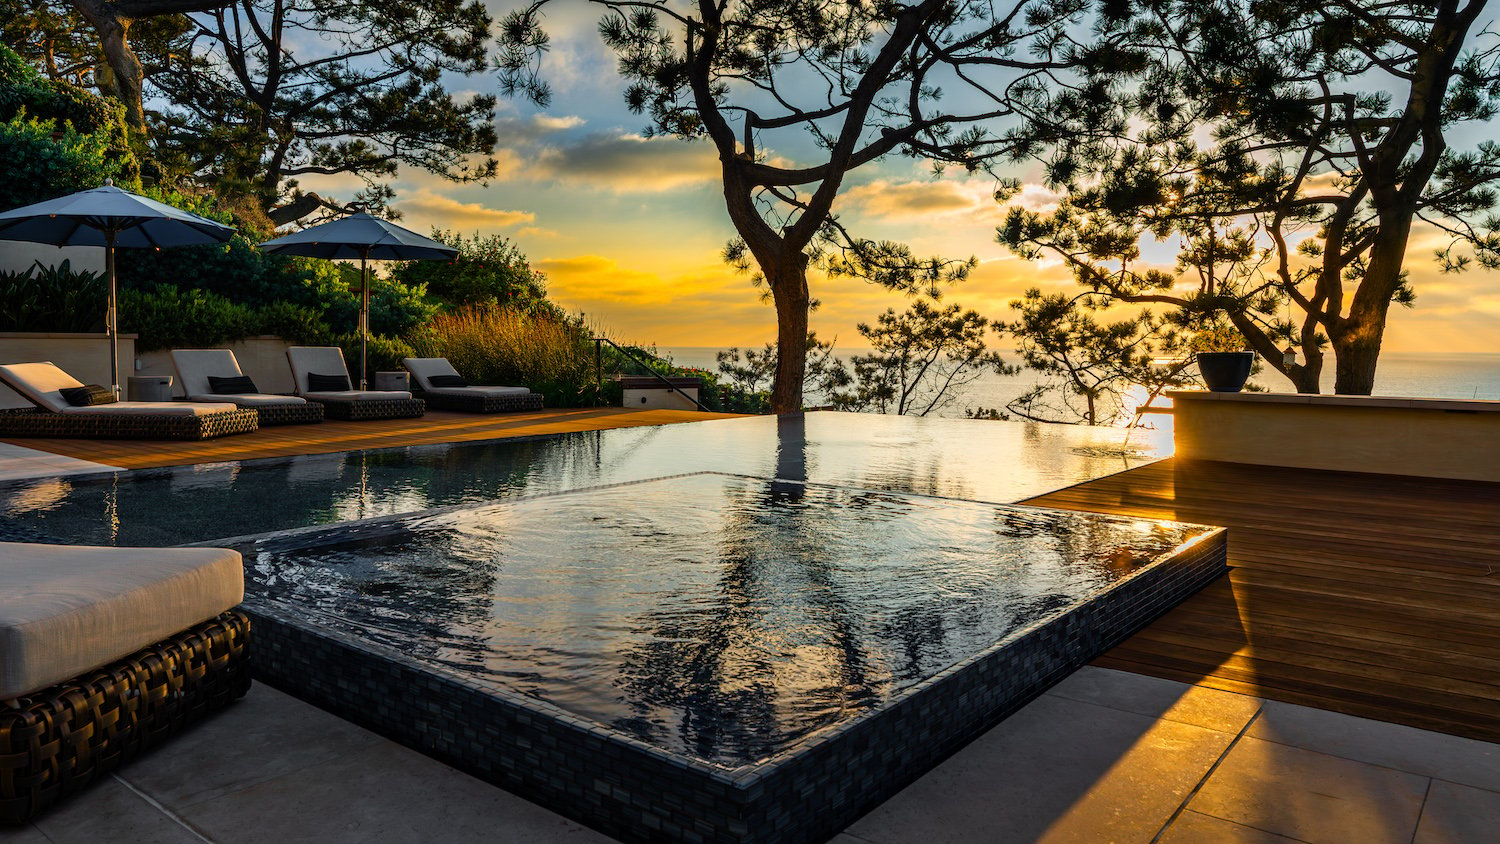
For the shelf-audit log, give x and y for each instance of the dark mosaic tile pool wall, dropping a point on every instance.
(636, 792)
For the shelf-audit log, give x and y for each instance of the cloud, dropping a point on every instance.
(969, 201)
(516, 131)
(624, 162)
(432, 208)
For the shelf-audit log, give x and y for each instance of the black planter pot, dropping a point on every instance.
(1225, 372)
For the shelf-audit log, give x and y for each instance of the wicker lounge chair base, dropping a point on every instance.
(290, 414)
(373, 409)
(482, 404)
(58, 740)
(33, 422)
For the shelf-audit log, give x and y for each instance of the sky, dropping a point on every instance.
(629, 229)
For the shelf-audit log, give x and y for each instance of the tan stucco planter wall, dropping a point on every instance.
(1433, 438)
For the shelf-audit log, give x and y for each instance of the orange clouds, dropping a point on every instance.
(429, 209)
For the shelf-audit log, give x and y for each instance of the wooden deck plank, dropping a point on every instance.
(1371, 595)
(335, 435)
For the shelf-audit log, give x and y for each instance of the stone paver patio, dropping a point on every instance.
(1105, 756)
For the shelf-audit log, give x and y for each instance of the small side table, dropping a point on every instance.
(149, 387)
(396, 381)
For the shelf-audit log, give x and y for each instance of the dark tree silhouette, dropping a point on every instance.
(1290, 148)
(937, 79)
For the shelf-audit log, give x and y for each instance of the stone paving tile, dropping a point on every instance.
(1458, 814)
(264, 735)
(1194, 828)
(1437, 755)
(1211, 708)
(109, 811)
(28, 834)
(384, 793)
(1311, 796)
(1059, 770)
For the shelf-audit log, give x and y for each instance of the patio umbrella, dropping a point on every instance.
(366, 238)
(112, 218)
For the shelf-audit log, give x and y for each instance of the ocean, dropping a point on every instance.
(1407, 374)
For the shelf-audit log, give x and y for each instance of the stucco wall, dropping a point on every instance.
(84, 356)
(1395, 436)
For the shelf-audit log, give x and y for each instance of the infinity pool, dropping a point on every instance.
(722, 617)
(957, 458)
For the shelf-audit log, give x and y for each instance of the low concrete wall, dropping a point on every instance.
(261, 358)
(84, 356)
(1433, 438)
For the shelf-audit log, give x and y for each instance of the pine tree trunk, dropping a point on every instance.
(787, 278)
(126, 77)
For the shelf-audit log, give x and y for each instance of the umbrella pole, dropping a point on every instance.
(364, 317)
(112, 316)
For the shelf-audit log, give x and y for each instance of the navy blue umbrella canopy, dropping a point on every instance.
(112, 218)
(366, 238)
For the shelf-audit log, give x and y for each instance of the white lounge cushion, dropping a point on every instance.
(323, 360)
(359, 395)
(68, 609)
(153, 408)
(195, 365)
(481, 391)
(41, 383)
(424, 368)
(249, 399)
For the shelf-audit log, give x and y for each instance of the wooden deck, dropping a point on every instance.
(1371, 595)
(332, 435)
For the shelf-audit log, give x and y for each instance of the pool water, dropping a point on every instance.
(724, 617)
(957, 458)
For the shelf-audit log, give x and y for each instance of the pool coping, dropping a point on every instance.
(625, 787)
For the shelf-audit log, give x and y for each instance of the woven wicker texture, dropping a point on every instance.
(372, 408)
(482, 403)
(289, 414)
(56, 741)
(31, 422)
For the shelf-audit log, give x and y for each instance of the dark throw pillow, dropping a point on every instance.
(88, 395)
(231, 385)
(326, 383)
(447, 381)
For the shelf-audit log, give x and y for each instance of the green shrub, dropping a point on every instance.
(381, 353)
(493, 345)
(487, 271)
(169, 318)
(52, 299)
(42, 162)
(297, 324)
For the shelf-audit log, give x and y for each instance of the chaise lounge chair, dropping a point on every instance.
(106, 652)
(214, 375)
(443, 388)
(100, 416)
(321, 376)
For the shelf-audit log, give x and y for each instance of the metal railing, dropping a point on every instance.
(599, 369)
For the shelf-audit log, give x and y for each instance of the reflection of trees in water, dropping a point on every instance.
(775, 654)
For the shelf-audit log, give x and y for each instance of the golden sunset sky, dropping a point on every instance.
(629, 230)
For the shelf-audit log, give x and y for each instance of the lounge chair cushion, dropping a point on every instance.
(447, 381)
(88, 395)
(425, 369)
(68, 609)
(156, 408)
(250, 399)
(359, 395)
(230, 385)
(41, 383)
(481, 391)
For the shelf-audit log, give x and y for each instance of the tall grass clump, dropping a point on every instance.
(492, 344)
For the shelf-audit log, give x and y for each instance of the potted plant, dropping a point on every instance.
(1222, 359)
